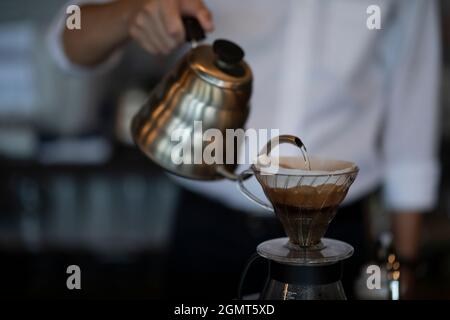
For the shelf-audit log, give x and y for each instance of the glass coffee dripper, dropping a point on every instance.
(305, 194)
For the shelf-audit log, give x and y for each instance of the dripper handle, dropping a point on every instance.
(266, 152)
(241, 178)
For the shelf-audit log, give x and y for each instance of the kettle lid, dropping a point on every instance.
(221, 64)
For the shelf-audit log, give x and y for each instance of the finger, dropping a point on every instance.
(147, 23)
(157, 33)
(197, 8)
(169, 40)
(171, 17)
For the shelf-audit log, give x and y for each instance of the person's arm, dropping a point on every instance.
(155, 24)
(407, 226)
(411, 132)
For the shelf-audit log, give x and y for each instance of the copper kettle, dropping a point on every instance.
(211, 85)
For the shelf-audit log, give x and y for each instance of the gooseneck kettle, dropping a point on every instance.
(210, 86)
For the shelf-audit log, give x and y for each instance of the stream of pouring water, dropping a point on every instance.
(306, 158)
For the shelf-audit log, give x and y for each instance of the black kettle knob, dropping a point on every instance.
(193, 29)
(228, 52)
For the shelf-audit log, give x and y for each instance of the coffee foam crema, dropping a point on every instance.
(297, 166)
(287, 181)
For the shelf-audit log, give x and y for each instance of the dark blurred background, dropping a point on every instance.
(74, 190)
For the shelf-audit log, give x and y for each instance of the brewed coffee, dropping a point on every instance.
(305, 212)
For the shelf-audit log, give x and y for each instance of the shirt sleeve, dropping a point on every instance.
(56, 48)
(410, 144)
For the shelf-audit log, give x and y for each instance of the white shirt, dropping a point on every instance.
(369, 96)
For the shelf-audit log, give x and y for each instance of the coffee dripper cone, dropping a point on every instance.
(303, 193)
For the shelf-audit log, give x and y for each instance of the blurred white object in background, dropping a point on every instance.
(18, 92)
(130, 102)
(94, 150)
(18, 142)
(34, 94)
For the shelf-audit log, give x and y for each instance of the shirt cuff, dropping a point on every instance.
(411, 186)
(56, 49)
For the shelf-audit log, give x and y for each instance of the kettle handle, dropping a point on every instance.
(193, 29)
